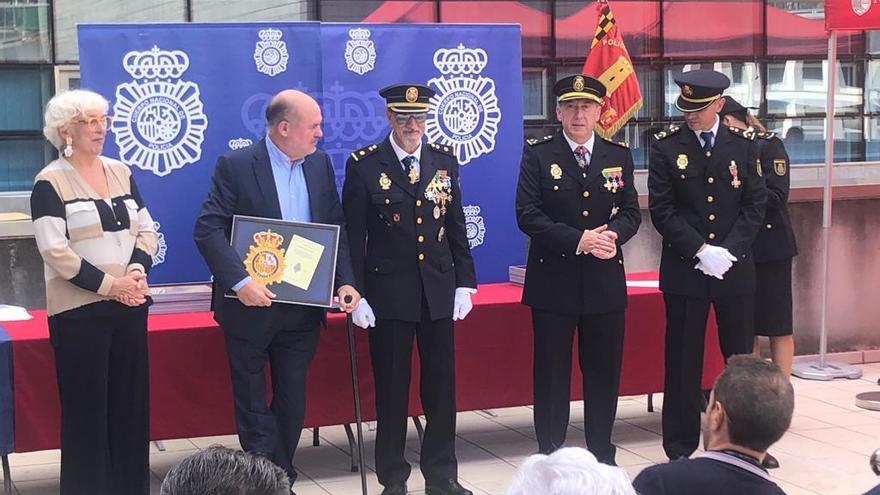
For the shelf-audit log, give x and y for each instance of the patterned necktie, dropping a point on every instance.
(708, 140)
(580, 154)
(410, 166)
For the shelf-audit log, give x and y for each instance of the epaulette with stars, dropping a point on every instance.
(766, 135)
(745, 134)
(617, 143)
(442, 148)
(535, 142)
(365, 151)
(665, 133)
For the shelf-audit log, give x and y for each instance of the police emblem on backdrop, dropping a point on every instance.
(160, 121)
(270, 54)
(239, 143)
(159, 257)
(464, 113)
(265, 258)
(474, 225)
(360, 52)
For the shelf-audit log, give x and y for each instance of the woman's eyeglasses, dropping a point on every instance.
(96, 124)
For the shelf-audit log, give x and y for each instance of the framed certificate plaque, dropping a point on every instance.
(296, 260)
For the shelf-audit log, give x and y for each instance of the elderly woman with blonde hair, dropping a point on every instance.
(96, 239)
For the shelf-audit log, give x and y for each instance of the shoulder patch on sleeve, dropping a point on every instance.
(665, 133)
(442, 148)
(363, 152)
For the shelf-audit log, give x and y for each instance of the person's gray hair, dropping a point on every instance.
(222, 471)
(66, 106)
(569, 471)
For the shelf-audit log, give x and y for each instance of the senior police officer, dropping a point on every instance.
(707, 202)
(577, 202)
(412, 261)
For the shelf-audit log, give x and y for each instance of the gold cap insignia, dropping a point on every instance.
(412, 94)
(265, 259)
(687, 91)
(578, 84)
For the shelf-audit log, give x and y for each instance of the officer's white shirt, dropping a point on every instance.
(401, 154)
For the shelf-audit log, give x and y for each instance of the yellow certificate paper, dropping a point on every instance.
(302, 259)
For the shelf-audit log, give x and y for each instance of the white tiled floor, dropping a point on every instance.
(825, 452)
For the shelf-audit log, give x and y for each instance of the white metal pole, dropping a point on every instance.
(827, 196)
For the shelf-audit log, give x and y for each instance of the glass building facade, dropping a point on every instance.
(773, 51)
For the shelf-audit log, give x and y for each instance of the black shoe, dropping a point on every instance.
(447, 487)
(397, 489)
(769, 462)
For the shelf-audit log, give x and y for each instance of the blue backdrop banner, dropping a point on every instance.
(183, 94)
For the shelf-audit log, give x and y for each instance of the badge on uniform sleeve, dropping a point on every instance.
(682, 161)
(613, 178)
(735, 173)
(760, 172)
(779, 167)
(555, 171)
(384, 182)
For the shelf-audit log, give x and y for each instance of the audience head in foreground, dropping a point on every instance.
(222, 471)
(749, 409)
(569, 471)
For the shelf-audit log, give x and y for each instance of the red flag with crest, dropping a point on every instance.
(609, 62)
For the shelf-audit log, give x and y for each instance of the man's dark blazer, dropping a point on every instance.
(243, 184)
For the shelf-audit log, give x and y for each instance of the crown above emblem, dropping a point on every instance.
(269, 239)
(156, 64)
(460, 60)
(471, 210)
(359, 34)
(270, 34)
(239, 143)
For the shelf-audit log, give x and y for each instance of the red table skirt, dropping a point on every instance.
(191, 394)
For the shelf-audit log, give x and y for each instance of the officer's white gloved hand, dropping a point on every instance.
(702, 268)
(716, 260)
(463, 304)
(363, 316)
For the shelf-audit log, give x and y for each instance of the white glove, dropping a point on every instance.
(715, 261)
(363, 316)
(463, 304)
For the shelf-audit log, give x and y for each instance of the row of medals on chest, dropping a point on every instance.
(682, 163)
(613, 176)
(439, 191)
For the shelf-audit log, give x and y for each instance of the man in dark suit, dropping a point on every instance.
(577, 202)
(707, 202)
(750, 408)
(411, 259)
(284, 177)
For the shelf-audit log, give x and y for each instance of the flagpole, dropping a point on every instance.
(824, 370)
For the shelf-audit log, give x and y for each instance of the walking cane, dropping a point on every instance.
(357, 399)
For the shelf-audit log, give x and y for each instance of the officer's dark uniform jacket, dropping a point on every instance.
(776, 239)
(408, 251)
(693, 200)
(556, 201)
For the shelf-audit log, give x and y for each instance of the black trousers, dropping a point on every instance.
(391, 344)
(287, 343)
(600, 351)
(103, 383)
(685, 338)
